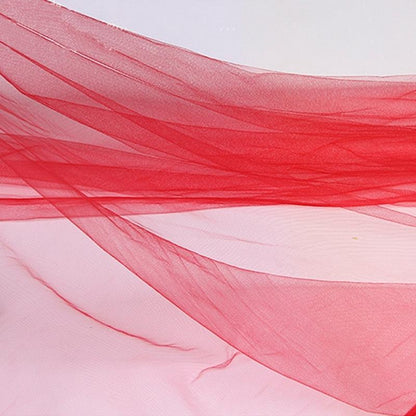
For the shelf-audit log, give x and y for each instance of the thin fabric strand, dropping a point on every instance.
(185, 236)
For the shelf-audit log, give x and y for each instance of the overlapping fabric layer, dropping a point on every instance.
(277, 211)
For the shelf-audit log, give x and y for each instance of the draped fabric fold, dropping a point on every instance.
(173, 164)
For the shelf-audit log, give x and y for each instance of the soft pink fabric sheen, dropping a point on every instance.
(100, 128)
(56, 361)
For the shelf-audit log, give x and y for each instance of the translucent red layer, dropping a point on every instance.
(98, 124)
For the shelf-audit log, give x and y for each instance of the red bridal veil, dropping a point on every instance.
(185, 236)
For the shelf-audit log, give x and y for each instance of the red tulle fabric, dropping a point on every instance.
(109, 135)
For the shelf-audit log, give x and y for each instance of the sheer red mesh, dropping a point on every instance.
(100, 127)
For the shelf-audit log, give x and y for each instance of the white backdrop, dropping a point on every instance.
(322, 37)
